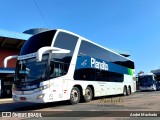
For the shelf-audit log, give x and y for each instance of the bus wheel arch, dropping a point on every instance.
(89, 93)
(75, 94)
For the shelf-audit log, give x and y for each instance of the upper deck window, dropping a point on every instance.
(95, 51)
(60, 62)
(66, 41)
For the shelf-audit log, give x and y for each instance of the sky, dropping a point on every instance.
(132, 26)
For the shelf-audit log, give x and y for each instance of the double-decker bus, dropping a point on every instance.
(59, 65)
(147, 81)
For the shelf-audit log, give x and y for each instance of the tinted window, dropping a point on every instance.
(29, 70)
(106, 76)
(58, 69)
(116, 77)
(98, 75)
(91, 74)
(37, 41)
(66, 41)
(92, 50)
(60, 61)
(84, 74)
(146, 80)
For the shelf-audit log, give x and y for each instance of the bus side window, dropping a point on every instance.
(105, 76)
(56, 69)
(98, 75)
(84, 74)
(52, 66)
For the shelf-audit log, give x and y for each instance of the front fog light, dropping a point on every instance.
(40, 96)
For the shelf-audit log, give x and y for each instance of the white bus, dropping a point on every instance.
(58, 65)
(147, 81)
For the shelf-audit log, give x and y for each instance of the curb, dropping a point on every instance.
(5, 100)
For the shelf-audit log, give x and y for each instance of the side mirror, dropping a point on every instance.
(43, 50)
(8, 58)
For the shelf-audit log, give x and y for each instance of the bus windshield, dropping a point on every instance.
(30, 70)
(146, 80)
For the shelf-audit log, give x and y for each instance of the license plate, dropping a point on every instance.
(22, 98)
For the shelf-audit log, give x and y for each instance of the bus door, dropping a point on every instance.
(56, 71)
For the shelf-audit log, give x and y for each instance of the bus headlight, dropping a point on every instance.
(42, 88)
(45, 87)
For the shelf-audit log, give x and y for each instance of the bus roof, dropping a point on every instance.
(145, 74)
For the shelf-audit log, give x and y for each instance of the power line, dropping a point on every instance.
(41, 14)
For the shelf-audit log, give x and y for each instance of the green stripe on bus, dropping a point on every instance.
(130, 71)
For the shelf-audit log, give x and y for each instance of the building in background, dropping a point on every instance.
(10, 44)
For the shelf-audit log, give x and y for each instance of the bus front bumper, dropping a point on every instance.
(146, 88)
(38, 97)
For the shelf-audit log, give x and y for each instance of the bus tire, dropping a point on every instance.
(125, 91)
(74, 96)
(129, 90)
(88, 95)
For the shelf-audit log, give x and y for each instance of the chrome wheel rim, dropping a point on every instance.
(88, 94)
(74, 95)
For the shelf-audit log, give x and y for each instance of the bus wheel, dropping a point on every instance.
(129, 90)
(75, 95)
(125, 91)
(88, 94)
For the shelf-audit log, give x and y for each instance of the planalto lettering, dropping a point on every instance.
(98, 65)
